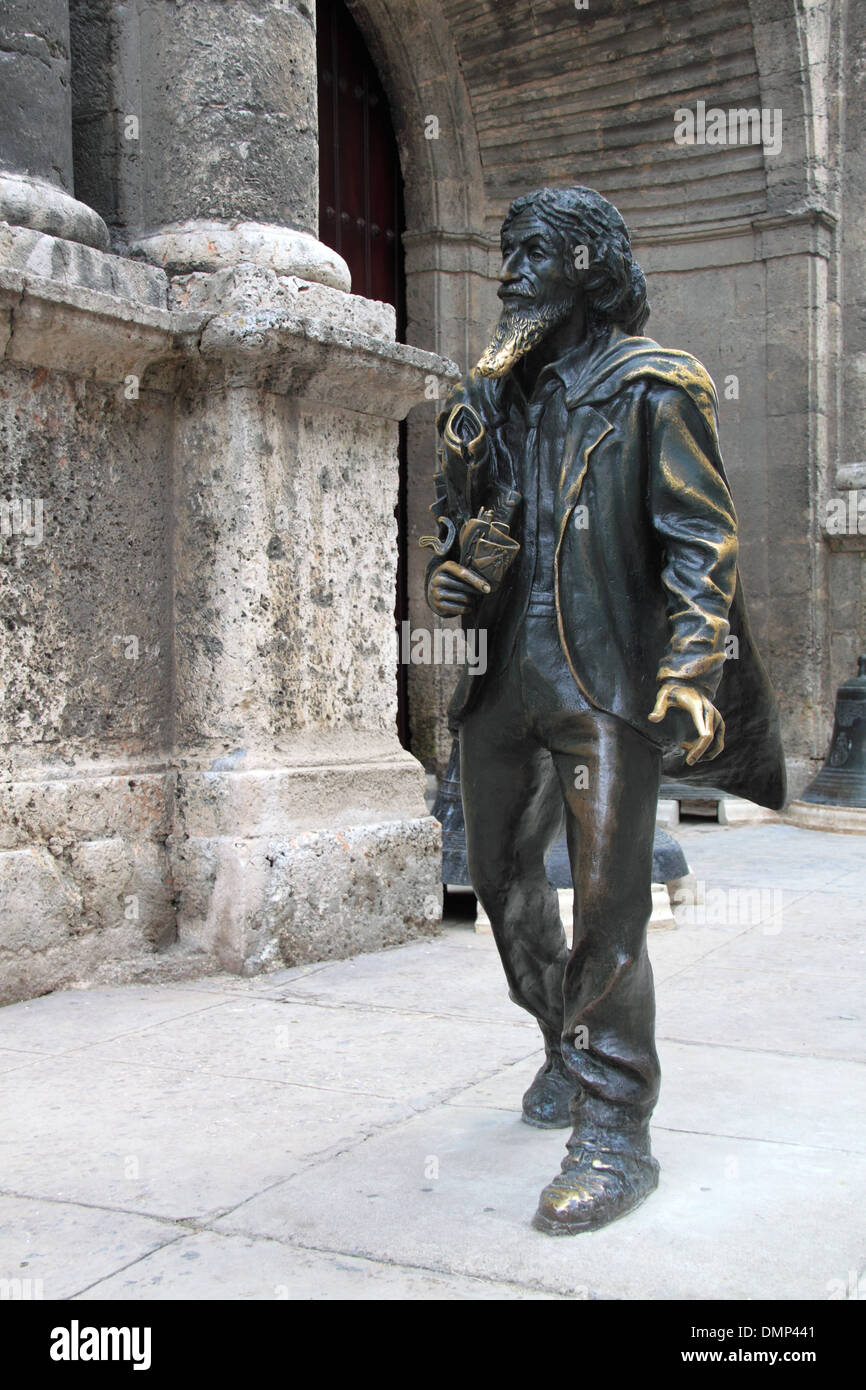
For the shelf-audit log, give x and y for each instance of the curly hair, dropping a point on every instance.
(613, 283)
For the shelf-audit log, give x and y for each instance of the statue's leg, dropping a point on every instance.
(609, 776)
(513, 812)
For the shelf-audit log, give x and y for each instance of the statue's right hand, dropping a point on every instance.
(453, 589)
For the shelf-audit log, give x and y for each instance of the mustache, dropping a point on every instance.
(514, 292)
(519, 330)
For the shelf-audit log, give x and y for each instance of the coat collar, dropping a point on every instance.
(619, 360)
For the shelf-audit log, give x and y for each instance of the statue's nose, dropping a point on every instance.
(509, 271)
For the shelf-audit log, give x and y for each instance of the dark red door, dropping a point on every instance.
(360, 189)
(361, 210)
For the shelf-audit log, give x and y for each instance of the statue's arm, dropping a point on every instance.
(451, 589)
(693, 516)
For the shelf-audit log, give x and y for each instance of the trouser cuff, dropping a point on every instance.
(614, 1126)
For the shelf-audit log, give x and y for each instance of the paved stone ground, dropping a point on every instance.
(352, 1130)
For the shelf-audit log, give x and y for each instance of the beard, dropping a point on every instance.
(518, 331)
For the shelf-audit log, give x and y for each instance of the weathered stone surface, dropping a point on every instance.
(36, 126)
(734, 810)
(85, 604)
(196, 132)
(35, 102)
(72, 911)
(198, 663)
(849, 820)
(229, 112)
(71, 265)
(251, 287)
(199, 245)
(256, 905)
(39, 907)
(76, 801)
(38, 204)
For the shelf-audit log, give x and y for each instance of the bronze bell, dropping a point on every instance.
(842, 779)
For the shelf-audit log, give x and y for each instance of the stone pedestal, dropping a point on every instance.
(302, 828)
(36, 187)
(199, 765)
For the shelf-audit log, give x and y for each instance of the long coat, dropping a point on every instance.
(647, 587)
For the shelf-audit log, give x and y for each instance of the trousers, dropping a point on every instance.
(535, 754)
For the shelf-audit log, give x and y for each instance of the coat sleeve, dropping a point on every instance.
(479, 393)
(693, 516)
(439, 507)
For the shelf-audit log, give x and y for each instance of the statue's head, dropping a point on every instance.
(564, 250)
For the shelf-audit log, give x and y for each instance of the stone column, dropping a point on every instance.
(228, 153)
(300, 829)
(36, 124)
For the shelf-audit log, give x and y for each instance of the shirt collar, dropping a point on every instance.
(573, 369)
(577, 371)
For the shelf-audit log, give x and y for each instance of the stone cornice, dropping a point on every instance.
(714, 231)
(60, 323)
(800, 231)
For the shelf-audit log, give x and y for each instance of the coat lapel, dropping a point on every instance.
(586, 429)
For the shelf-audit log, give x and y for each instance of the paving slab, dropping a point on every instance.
(731, 1219)
(417, 1058)
(767, 1010)
(731, 1091)
(211, 1266)
(62, 1248)
(458, 976)
(678, 948)
(780, 856)
(11, 1061)
(725, 1090)
(819, 933)
(166, 1142)
(254, 986)
(75, 1018)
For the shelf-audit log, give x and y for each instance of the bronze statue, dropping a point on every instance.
(586, 524)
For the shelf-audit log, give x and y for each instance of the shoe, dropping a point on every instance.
(546, 1103)
(597, 1185)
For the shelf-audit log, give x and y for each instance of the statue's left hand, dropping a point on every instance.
(708, 722)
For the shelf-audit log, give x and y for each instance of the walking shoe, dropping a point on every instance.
(597, 1185)
(546, 1103)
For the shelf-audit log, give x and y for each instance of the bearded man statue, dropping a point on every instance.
(617, 645)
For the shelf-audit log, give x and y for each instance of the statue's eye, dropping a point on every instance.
(536, 254)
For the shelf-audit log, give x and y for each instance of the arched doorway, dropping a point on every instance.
(361, 214)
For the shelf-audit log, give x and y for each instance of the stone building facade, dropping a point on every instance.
(200, 763)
